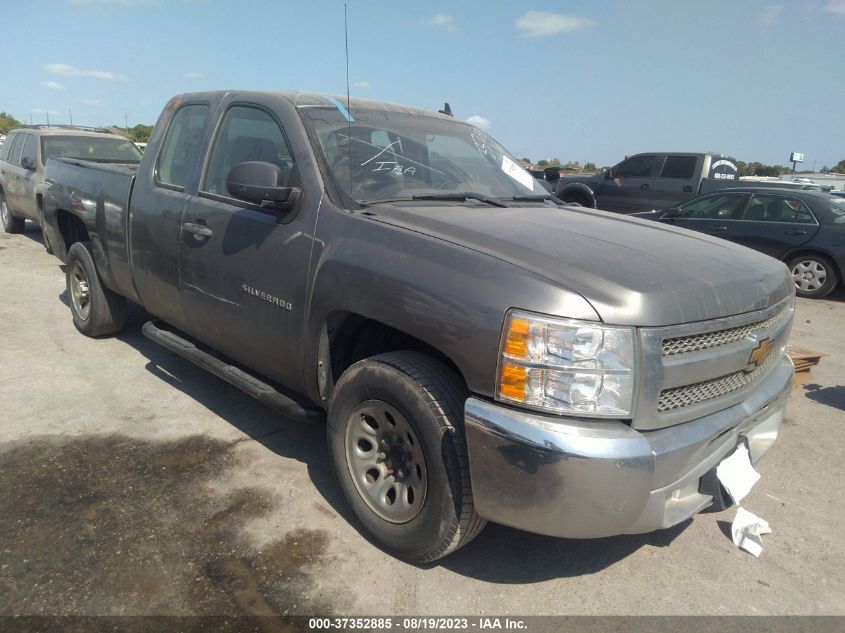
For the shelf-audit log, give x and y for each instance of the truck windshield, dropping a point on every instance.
(103, 150)
(374, 152)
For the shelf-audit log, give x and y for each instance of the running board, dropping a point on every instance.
(248, 383)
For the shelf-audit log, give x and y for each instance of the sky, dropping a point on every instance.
(575, 80)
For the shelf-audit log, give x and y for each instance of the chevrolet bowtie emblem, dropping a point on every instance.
(760, 353)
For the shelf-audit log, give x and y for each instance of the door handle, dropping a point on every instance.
(644, 187)
(718, 228)
(200, 230)
(795, 232)
(688, 188)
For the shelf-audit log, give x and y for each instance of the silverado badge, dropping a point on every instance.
(759, 354)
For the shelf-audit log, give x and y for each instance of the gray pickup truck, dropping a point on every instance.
(480, 352)
(654, 180)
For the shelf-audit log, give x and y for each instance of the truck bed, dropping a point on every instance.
(98, 194)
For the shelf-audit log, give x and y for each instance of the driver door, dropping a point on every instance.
(242, 267)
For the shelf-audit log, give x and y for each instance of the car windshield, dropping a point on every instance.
(376, 152)
(103, 150)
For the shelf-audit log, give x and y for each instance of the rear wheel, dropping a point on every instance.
(11, 224)
(814, 275)
(96, 310)
(395, 432)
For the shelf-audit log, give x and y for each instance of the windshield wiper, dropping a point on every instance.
(539, 198)
(462, 196)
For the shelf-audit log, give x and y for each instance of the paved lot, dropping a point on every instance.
(132, 482)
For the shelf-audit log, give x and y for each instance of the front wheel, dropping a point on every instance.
(96, 310)
(814, 276)
(11, 224)
(395, 432)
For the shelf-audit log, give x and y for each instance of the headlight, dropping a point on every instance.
(567, 366)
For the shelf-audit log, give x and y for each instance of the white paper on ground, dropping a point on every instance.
(747, 529)
(737, 474)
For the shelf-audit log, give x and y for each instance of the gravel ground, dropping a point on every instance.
(132, 482)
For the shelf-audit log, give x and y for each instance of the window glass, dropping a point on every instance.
(102, 150)
(771, 208)
(14, 151)
(7, 145)
(181, 144)
(635, 167)
(715, 207)
(247, 134)
(29, 148)
(679, 167)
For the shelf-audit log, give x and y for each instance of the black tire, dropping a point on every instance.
(11, 224)
(103, 312)
(816, 273)
(576, 198)
(431, 398)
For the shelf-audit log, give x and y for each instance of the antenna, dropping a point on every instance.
(348, 118)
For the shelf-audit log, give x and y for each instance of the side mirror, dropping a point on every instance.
(674, 212)
(551, 174)
(262, 184)
(27, 163)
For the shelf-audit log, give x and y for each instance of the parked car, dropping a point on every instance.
(481, 354)
(805, 229)
(24, 155)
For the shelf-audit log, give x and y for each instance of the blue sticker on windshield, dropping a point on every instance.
(337, 104)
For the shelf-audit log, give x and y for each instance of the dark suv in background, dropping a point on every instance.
(805, 229)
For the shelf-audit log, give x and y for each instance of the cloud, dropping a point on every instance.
(70, 71)
(361, 84)
(479, 121)
(835, 6)
(441, 21)
(770, 14)
(543, 23)
(194, 75)
(97, 103)
(51, 85)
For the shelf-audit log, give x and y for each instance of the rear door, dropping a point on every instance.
(243, 268)
(677, 182)
(12, 172)
(713, 214)
(627, 190)
(774, 224)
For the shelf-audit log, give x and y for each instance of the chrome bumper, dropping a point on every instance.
(581, 478)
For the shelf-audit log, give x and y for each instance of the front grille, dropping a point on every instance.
(687, 395)
(695, 342)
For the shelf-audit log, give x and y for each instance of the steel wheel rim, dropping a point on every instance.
(4, 210)
(80, 291)
(809, 275)
(386, 461)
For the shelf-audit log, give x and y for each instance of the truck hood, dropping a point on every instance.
(633, 272)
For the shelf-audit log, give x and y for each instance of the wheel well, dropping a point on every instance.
(576, 195)
(71, 229)
(825, 256)
(352, 337)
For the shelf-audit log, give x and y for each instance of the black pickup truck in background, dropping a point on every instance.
(480, 351)
(653, 180)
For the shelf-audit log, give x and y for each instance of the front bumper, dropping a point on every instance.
(580, 478)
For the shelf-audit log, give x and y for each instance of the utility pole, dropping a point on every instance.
(126, 124)
(48, 120)
(70, 114)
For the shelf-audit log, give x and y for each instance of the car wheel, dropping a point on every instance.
(395, 433)
(96, 310)
(11, 224)
(814, 275)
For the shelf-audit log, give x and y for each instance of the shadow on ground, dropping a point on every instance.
(831, 396)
